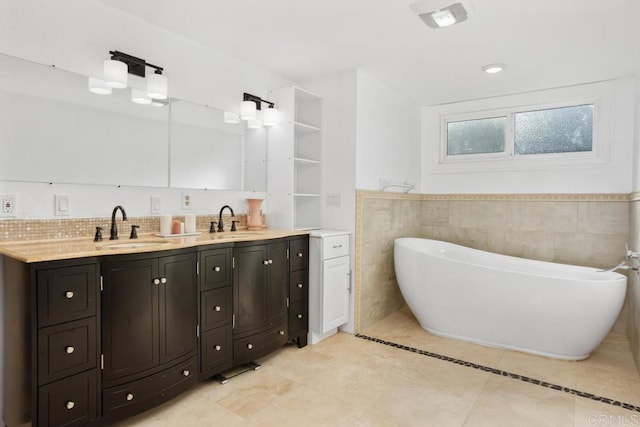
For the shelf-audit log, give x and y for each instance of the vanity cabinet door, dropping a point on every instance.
(278, 272)
(130, 334)
(178, 301)
(250, 288)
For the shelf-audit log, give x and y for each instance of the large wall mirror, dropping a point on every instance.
(52, 129)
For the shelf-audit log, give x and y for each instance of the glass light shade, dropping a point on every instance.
(140, 97)
(115, 74)
(157, 86)
(232, 118)
(98, 86)
(248, 110)
(257, 123)
(271, 117)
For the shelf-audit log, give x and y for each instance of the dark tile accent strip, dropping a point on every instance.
(505, 374)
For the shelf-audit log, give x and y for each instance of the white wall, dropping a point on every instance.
(609, 171)
(388, 142)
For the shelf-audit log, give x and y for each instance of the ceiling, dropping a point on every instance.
(544, 43)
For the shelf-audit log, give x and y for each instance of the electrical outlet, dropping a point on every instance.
(8, 205)
(156, 204)
(334, 199)
(186, 201)
(61, 205)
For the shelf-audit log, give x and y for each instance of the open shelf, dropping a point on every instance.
(295, 161)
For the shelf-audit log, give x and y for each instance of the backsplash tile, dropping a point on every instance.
(68, 228)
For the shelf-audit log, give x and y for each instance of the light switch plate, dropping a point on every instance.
(156, 204)
(61, 205)
(8, 207)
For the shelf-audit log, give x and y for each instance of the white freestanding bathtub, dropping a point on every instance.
(554, 310)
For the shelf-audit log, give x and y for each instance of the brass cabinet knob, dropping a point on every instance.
(129, 397)
(216, 269)
(185, 373)
(68, 294)
(270, 261)
(70, 404)
(217, 308)
(249, 346)
(156, 281)
(299, 316)
(163, 280)
(300, 285)
(265, 262)
(217, 348)
(69, 349)
(299, 254)
(281, 332)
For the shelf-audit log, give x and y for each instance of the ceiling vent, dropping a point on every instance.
(437, 14)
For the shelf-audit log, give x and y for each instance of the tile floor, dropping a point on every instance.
(350, 381)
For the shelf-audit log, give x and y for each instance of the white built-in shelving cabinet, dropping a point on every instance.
(294, 171)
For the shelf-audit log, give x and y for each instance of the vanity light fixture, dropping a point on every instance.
(493, 68)
(116, 71)
(251, 105)
(437, 14)
(99, 86)
(140, 97)
(257, 123)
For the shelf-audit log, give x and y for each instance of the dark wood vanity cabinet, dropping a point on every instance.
(65, 338)
(259, 299)
(299, 290)
(216, 310)
(114, 335)
(149, 330)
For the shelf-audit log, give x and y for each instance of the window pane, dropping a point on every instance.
(476, 136)
(557, 130)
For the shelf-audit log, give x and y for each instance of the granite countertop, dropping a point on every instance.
(59, 249)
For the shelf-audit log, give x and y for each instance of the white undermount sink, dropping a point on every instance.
(133, 245)
(235, 235)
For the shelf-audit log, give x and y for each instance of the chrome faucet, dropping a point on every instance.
(114, 228)
(233, 222)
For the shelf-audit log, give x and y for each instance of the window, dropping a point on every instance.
(556, 130)
(520, 133)
(476, 136)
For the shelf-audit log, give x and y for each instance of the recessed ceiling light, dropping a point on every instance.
(493, 68)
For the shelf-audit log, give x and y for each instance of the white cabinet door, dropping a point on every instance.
(335, 295)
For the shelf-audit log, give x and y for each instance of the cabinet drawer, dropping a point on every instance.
(298, 285)
(134, 397)
(299, 254)
(298, 317)
(66, 349)
(66, 294)
(216, 308)
(259, 345)
(216, 269)
(216, 351)
(335, 246)
(72, 401)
